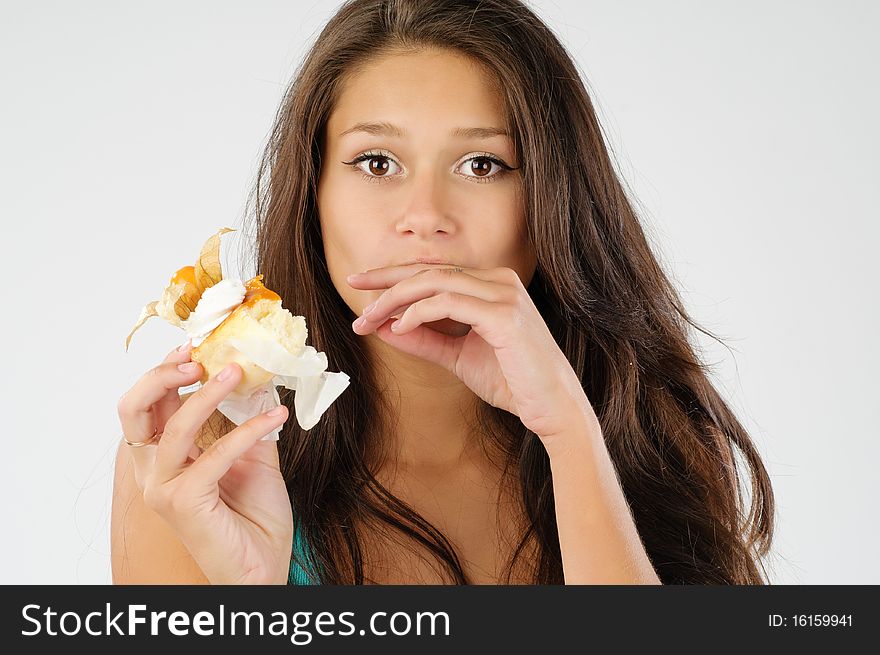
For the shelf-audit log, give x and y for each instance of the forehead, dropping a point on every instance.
(432, 89)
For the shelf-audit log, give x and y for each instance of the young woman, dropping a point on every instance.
(536, 416)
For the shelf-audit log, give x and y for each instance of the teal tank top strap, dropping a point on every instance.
(298, 575)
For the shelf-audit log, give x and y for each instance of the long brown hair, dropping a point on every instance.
(598, 286)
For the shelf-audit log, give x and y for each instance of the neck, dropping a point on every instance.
(433, 411)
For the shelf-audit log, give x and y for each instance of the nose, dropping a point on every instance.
(424, 212)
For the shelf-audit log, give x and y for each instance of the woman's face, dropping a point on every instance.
(408, 172)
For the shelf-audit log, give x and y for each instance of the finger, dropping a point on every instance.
(221, 455)
(491, 320)
(183, 427)
(170, 402)
(142, 459)
(135, 408)
(425, 343)
(431, 282)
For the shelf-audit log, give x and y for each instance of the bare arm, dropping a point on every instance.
(143, 547)
(597, 534)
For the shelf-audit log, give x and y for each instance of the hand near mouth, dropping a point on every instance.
(508, 357)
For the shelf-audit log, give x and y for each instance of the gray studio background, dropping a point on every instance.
(747, 131)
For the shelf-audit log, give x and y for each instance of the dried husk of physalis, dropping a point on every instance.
(186, 287)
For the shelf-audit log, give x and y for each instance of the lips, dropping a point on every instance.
(427, 260)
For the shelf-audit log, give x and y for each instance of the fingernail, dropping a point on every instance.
(395, 324)
(225, 373)
(185, 346)
(189, 367)
(278, 411)
(369, 308)
(352, 276)
(360, 321)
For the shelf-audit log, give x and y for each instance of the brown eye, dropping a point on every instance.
(378, 165)
(481, 166)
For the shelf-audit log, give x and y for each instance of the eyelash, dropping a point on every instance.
(378, 179)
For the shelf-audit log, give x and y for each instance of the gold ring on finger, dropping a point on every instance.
(138, 444)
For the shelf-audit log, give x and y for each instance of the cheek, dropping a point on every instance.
(508, 235)
(347, 249)
(340, 229)
(347, 245)
(504, 227)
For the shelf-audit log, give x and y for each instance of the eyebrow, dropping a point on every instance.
(387, 129)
